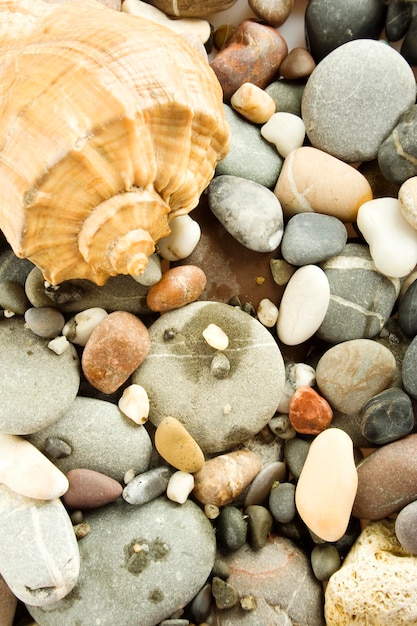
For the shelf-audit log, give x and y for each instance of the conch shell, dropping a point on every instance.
(110, 126)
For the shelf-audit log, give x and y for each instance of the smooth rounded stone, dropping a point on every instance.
(183, 238)
(134, 403)
(303, 305)
(388, 416)
(260, 522)
(325, 561)
(298, 64)
(253, 103)
(405, 527)
(178, 286)
(377, 578)
(115, 348)
(407, 311)
(361, 298)
(384, 228)
(295, 454)
(37, 386)
(13, 268)
(182, 8)
(13, 297)
(224, 595)
(220, 366)
(281, 502)
(231, 528)
(281, 426)
(309, 412)
(260, 487)
(153, 270)
(330, 24)
(312, 238)
(397, 155)
(267, 313)
(252, 54)
(408, 47)
(39, 558)
(398, 19)
(352, 372)
(162, 554)
(56, 448)
(100, 438)
(176, 446)
(281, 271)
(407, 195)
(310, 182)
(179, 487)
(327, 485)
(354, 97)
(272, 12)
(387, 479)
(409, 369)
(285, 130)
(147, 486)
(78, 329)
(8, 603)
(89, 489)
(296, 375)
(280, 579)
(249, 212)
(178, 366)
(250, 156)
(223, 478)
(287, 95)
(216, 337)
(45, 322)
(201, 603)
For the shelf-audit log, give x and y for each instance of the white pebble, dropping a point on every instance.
(128, 476)
(152, 273)
(8, 313)
(253, 103)
(180, 485)
(183, 238)
(285, 130)
(79, 328)
(281, 426)
(216, 337)
(59, 344)
(267, 313)
(134, 403)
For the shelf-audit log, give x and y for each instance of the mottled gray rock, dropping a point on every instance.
(409, 47)
(231, 528)
(137, 563)
(397, 155)
(387, 416)
(282, 502)
(325, 560)
(147, 486)
(409, 369)
(312, 238)
(398, 19)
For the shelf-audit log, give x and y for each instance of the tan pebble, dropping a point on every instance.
(211, 511)
(313, 181)
(81, 530)
(267, 312)
(178, 286)
(407, 195)
(297, 64)
(134, 403)
(327, 485)
(216, 337)
(224, 477)
(253, 103)
(175, 444)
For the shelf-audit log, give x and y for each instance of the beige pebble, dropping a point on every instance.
(285, 130)
(215, 337)
(181, 241)
(297, 64)
(253, 103)
(134, 403)
(175, 444)
(313, 181)
(223, 478)
(327, 485)
(267, 312)
(407, 195)
(177, 287)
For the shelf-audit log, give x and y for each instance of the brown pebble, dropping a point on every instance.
(115, 349)
(89, 489)
(178, 286)
(273, 12)
(309, 412)
(175, 444)
(297, 64)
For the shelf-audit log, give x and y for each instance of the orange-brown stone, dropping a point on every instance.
(309, 412)
(178, 286)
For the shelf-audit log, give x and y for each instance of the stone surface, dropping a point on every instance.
(312, 238)
(377, 578)
(298, 64)
(354, 97)
(398, 20)
(8, 602)
(309, 413)
(260, 522)
(178, 286)
(231, 528)
(295, 454)
(287, 95)
(44, 321)
(147, 486)
(407, 311)
(162, 554)
(260, 487)
(13, 297)
(253, 103)
(89, 489)
(408, 48)
(281, 502)
(397, 153)
(272, 12)
(325, 560)
(388, 416)
(405, 527)
(407, 195)
(285, 130)
(175, 444)
(409, 369)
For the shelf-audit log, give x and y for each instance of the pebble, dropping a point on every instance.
(231, 528)
(361, 298)
(285, 130)
(303, 305)
(384, 228)
(309, 182)
(253, 103)
(281, 426)
(179, 487)
(325, 561)
(397, 154)
(309, 412)
(408, 47)
(387, 479)
(250, 157)
(407, 195)
(201, 603)
(260, 522)
(388, 416)
(327, 485)
(182, 8)
(180, 358)
(281, 502)
(377, 578)
(89, 489)
(153, 271)
(220, 366)
(13, 297)
(249, 212)
(147, 486)
(8, 602)
(183, 238)
(272, 12)
(163, 553)
(352, 372)
(59, 344)
(398, 20)
(12, 268)
(223, 478)
(116, 347)
(407, 310)
(312, 238)
(295, 454)
(281, 271)
(224, 595)
(216, 337)
(176, 446)
(354, 97)
(78, 329)
(39, 558)
(100, 439)
(409, 368)
(280, 579)
(260, 487)
(298, 64)
(253, 54)
(45, 322)
(27, 471)
(296, 375)
(56, 448)
(178, 286)
(405, 527)
(267, 313)
(134, 403)
(287, 95)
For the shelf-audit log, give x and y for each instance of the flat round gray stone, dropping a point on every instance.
(354, 98)
(139, 564)
(218, 412)
(37, 385)
(312, 238)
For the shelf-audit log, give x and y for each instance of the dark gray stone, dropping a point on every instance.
(398, 19)
(409, 45)
(295, 453)
(201, 603)
(387, 416)
(282, 502)
(397, 156)
(260, 523)
(258, 492)
(13, 297)
(13, 268)
(325, 561)
(231, 528)
(409, 369)
(312, 238)
(287, 95)
(407, 311)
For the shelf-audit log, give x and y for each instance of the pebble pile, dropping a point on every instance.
(210, 442)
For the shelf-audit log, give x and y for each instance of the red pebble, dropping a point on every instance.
(89, 489)
(309, 412)
(115, 349)
(178, 286)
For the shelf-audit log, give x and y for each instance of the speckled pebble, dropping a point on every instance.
(147, 486)
(282, 502)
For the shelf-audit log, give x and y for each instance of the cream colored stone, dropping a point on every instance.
(175, 444)
(253, 103)
(407, 196)
(327, 485)
(134, 403)
(183, 238)
(180, 485)
(267, 312)
(216, 337)
(285, 130)
(377, 583)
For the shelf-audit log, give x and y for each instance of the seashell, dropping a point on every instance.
(111, 126)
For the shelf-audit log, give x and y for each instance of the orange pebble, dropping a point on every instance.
(177, 287)
(309, 412)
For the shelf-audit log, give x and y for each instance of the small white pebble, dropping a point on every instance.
(128, 476)
(267, 313)
(59, 344)
(285, 130)
(216, 337)
(183, 238)
(8, 313)
(79, 328)
(134, 403)
(180, 486)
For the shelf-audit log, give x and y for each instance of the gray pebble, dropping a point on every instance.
(407, 311)
(259, 523)
(231, 528)
(45, 322)
(325, 561)
(397, 155)
(224, 594)
(287, 95)
(409, 369)
(312, 238)
(282, 502)
(220, 365)
(201, 603)
(398, 19)
(13, 297)
(260, 487)
(147, 486)
(295, 453)
(13, 268)
(405, 527)
(387, 416)
(174, 622)
(56, 448)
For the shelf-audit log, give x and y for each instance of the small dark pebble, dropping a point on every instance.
(224, 594)
(231, 528)
(387, 416)
(260, 523)
(325, 561)
(295, 453)
(13, 297)
(282, 502)
(200, 606)
(56, 448)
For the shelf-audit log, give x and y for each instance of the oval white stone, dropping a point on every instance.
(392, 240)
(285, 130)
(180, 486)
(183, 238)
(134, 403)
(216, 337)
(78, 329)
(303, 306)
(267, 312)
